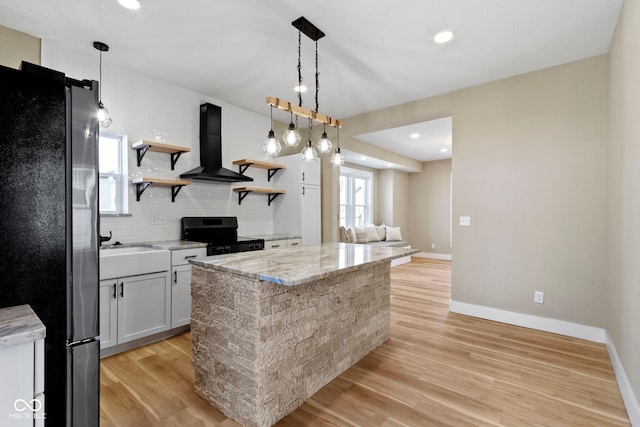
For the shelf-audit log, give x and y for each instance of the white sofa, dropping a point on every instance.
(345, 238)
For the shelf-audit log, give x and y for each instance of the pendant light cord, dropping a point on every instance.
(299, 69)
(317, 77)
(100, 85)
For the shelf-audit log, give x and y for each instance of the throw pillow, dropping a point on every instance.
(343, 235)
(361, 235)
(351, 235)
(382, 233)
(393, 233)
(372, 233)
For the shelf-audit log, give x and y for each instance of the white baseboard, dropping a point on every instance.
(446, 257)
(399, 261)
(628, 396)
(529, 321)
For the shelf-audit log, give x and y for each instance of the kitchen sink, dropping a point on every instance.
(132, 261)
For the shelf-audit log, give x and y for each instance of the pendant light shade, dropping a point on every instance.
(337, 159)
(104, 118)
(271, 146)
(291, 137)
(324, 144)
(309, 154)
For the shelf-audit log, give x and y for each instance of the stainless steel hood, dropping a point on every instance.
(210, 168)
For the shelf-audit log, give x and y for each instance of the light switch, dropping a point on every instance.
(465, 221)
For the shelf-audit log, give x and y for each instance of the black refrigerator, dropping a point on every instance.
(49, 228)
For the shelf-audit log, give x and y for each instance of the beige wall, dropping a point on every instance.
(430, 207)
(624, 194)
(529, 167)
(16, 47)
(393, 199)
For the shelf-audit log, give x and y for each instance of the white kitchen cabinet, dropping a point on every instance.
(141, 307)
(181, 284)
(275, 244)
(108, 313)
(21, 368)
(282, 243)
(298, 212)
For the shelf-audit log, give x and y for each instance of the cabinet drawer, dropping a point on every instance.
(292, 243)
(182, 256)
(275, 244)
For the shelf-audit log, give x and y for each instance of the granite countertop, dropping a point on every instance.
(294, 266)
(19, 325)
(271, 237)
(170, 245)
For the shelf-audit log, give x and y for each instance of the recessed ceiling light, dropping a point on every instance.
(363, 158)
(415, 135)
(443, 37)
(301, 88)
(443, 150)
(130, 4)
(389, 165)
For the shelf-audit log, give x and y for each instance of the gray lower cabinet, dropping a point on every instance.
(134, 307)
(181, 284)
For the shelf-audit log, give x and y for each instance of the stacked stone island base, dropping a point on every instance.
(260, 349)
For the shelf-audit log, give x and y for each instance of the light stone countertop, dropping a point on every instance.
(19, 325)
(303, 264)
(170, 245)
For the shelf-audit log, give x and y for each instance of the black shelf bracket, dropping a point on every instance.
(175, 189)
(271, 173)
(140, 187)
(242, 195)
(174, 159)
(272, 197)
(141, 152)
(243, 168)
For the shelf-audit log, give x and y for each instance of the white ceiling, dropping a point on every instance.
(375, 54)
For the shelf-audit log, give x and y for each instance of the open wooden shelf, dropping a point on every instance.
(244, 191)
(272, 168)
(175, 184)
(174, 150)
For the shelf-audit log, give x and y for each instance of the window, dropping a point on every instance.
(113, 174)
(355, 197)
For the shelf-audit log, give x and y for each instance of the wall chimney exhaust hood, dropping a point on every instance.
(210, 168)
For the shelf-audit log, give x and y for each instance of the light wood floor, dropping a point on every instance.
(437, 369)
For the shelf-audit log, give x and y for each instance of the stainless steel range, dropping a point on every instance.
(220, 234)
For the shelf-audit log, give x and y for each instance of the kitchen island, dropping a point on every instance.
(270, 328)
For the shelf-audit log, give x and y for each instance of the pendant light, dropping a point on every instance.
(104, 118)
(337, 159)
(291, 137)
(271, 146)
(324, 143)
(309, 153)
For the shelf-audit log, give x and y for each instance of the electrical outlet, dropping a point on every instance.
(538, 297)
(433, 246)
(155, 219)
(465, 221)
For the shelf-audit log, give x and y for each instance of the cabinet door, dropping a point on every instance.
(310, 215)
(292, 243)
(108, 313)
(143, 306)
(275, 244)
(16, 371)
(180, 296)
(310, 172)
